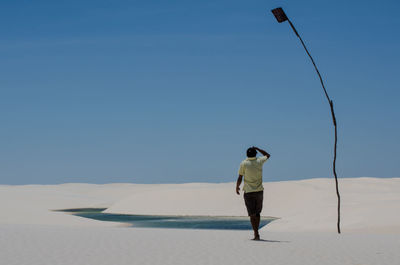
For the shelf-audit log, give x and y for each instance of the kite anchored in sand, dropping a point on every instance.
(281, 17)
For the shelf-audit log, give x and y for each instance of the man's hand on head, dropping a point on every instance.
(263, 152)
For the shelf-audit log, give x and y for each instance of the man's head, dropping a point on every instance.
(251, 152)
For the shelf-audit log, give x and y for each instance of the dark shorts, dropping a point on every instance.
(254, 202)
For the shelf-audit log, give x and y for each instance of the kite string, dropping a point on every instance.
(333, 119)
(312, 60)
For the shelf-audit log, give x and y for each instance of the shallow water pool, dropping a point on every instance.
(161, 221)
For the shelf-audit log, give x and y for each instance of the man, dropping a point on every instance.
(251, 170)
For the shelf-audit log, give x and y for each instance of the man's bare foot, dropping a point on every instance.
(256, 237)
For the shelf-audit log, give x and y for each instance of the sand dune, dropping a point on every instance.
(61, 245)
(306, 205)
(31, 233)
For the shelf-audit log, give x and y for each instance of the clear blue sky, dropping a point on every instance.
(175, 91)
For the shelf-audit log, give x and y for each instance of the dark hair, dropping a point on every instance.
(251, 152)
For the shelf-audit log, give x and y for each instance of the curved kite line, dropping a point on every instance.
(281, 17)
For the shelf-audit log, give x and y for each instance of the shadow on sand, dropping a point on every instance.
(270, 241)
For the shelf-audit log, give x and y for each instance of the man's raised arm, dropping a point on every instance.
(263, 152)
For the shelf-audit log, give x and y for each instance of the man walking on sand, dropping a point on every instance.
(251, 170)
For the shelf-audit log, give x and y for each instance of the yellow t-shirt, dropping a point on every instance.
(251, 170)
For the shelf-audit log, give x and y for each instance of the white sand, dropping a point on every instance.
(307, 205)
(58, 245)
(32, 234)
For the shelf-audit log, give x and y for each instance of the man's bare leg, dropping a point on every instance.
(255, 222)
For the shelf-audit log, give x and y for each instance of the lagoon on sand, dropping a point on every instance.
(170, 221)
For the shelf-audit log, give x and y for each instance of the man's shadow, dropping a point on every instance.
(270, 241)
